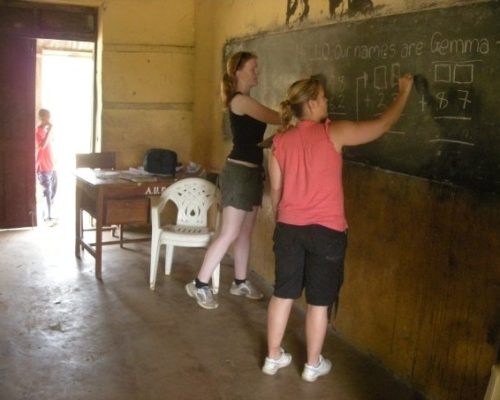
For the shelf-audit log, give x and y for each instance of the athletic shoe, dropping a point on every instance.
(246, 289)
(310, 373)
(51, 222)
(271, 366)
(203, 296)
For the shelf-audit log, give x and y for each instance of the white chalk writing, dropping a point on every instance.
(445, 46)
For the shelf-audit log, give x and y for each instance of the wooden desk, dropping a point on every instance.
(112, 201)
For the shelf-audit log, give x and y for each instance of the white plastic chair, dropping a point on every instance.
(193, 197)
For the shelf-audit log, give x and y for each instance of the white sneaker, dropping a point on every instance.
(311, 373)
(203, 296)
(246, 289)
(271, 366)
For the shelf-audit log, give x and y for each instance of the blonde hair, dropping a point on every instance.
(299, 93)
(229, 80)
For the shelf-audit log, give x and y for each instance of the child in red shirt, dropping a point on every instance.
(45, 171)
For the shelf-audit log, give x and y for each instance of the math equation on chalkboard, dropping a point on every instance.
(450, 129)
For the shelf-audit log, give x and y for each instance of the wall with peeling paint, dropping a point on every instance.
(422, 289)
(147, 66)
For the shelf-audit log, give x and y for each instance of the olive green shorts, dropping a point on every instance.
(241, 186)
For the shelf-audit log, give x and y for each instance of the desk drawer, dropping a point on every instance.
(126, 211)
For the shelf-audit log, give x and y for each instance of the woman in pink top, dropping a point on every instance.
(307, 197)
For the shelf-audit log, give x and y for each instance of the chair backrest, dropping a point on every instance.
(193, 198)
(106, 160)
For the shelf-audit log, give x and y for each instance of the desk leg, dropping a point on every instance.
(78, 221)
(98, 234)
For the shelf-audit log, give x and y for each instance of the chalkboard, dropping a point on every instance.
(450, 127)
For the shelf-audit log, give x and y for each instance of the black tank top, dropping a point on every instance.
(247, 132)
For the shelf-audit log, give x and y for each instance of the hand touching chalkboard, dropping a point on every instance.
(352, 133)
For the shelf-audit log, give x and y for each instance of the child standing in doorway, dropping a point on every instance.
(45, 171)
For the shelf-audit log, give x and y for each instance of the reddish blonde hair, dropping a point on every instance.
(229, 80)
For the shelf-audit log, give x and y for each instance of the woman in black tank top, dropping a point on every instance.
(240, 180)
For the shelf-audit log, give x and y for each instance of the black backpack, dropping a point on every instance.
(160, 161)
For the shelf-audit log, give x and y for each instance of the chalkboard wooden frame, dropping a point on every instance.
(450, 130)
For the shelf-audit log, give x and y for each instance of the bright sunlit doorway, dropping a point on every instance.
(65, 86)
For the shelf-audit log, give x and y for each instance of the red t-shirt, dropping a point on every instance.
(44, 159)
(311, 171)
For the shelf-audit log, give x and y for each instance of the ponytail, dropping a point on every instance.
(299, 93)
(228, 88)
(286, 115)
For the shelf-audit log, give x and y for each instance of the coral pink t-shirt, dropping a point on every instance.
(311, 171)
(44, 159)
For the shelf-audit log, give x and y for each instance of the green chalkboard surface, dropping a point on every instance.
(450, 130)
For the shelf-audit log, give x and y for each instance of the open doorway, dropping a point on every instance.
(65, 86)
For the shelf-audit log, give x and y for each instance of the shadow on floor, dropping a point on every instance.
(66, 335)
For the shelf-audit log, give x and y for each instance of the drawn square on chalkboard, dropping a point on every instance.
(442, 73)
(395, 74)
(380, 77)
(463, 73)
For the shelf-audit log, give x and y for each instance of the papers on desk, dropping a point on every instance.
(132, 174)
(138, 175)
(106, 174)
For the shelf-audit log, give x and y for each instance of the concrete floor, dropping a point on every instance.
(65, 335)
